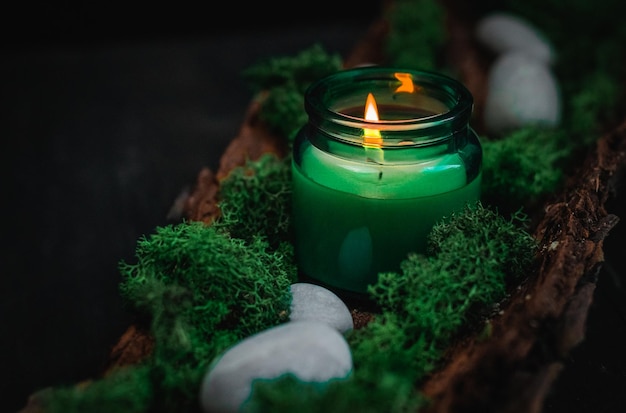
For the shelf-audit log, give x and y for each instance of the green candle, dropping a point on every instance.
(385, 155)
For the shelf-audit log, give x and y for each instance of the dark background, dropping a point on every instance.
(109, 110)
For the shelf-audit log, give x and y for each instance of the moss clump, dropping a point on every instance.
(227, 283)
(522, 167)
(202, 291)
(283, 81)
(416, 35)
(591, 107)
(256, 200)
(499, 249)
(390, 393)
(127, 390)
(472, 256)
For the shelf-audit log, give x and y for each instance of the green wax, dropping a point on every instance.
(354, 219)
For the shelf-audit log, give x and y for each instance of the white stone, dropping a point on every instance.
(315, 303)
(314, 352)
(503, 33)
(522, 91)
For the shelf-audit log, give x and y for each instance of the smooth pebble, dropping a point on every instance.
(503, 33)
(522, 91)
(312, 351)
(315, 303)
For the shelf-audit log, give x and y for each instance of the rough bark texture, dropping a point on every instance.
(134, 345)
(545, 318)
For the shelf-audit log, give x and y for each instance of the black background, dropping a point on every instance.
(109, 110)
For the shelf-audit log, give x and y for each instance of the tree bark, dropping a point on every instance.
(513, 369)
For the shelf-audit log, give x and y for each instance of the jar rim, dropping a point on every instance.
(452, 94)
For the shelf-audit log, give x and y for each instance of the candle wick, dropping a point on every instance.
(380, 175)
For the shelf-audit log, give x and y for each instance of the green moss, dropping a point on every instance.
(390, 394)
(524, 166)
(499, 248)
(202, 291)
(127, 390)
(256, 200)
(283, 112)
(473, 255)
(301, 69)
(382, 380)
(283, 81)
(416, 35)
(591, 106)
(218, 281)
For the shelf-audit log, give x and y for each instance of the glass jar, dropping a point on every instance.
(373, 174)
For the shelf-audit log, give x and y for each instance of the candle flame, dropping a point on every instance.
(371, 109)
(371, 137)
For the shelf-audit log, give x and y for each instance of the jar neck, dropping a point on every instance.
(415, 110)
